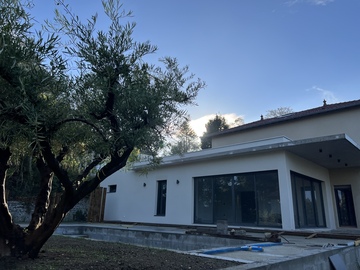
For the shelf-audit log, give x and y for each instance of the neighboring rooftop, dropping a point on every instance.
(325, 108)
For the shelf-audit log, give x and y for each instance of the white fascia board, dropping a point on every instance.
(218, 152)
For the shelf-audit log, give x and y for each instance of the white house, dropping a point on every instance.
(300, 170)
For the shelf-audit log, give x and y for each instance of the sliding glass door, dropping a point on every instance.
(251, 199)
(308, 201)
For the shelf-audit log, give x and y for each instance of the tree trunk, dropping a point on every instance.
(43, 198)
(35, 241)
(6, 223)
(11, 235)
(17, 241)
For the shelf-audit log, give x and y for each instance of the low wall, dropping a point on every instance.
(166, 240)
(21, 211)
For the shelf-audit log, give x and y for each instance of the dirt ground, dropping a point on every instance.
(80, 254)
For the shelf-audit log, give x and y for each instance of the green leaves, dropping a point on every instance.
(112, 103)
(81, 125)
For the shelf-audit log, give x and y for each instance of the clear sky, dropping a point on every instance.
(254, 55)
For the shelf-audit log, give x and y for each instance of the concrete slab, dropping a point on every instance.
(295, 253)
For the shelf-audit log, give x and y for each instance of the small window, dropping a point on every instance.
(112, 188)
(161, 198)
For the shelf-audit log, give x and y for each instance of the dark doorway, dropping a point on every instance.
(345, 206)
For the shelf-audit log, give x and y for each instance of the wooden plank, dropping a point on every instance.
(311, 236)
(97, 205)
(102, 205)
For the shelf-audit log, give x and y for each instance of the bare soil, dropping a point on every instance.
(75, 253)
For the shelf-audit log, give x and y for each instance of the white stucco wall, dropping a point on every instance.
(135, 203)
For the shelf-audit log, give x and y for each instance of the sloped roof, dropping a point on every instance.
(326, 108)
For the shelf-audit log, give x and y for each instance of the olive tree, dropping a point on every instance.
(112, 103)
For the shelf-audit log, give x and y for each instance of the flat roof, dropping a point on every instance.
(334, 151)
(331, 152)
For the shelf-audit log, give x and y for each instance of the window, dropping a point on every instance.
(161, 198)
(241, 199)
(308, 201)
(112, 188)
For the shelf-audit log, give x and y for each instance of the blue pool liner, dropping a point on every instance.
(253, 247)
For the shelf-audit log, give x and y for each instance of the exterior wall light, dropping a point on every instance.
(144, 184)
(177, 181)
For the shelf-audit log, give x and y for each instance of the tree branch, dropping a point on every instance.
(108, 110)
(43, 197)
(116, 163)
(87, 170)
(63, 152)
(54, 165)
(58, 125)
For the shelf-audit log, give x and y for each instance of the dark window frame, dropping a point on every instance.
(112, 188)
(161, 198)
(302, 212)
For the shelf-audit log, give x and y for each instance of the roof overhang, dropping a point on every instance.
(334, 151)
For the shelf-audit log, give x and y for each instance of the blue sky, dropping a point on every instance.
(254, 55)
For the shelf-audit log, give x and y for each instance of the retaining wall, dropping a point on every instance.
(166, 240)
(21, 211)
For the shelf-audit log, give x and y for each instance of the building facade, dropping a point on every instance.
(297, 171)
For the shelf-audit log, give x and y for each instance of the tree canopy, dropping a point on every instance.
(218, 123)
(186, 140)
(78, 126)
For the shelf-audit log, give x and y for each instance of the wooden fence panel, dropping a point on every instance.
(97, 205)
